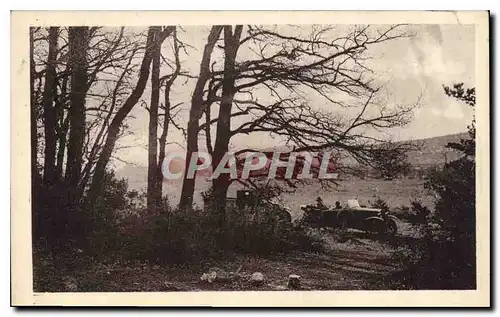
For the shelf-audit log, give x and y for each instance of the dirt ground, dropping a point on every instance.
(360, 262)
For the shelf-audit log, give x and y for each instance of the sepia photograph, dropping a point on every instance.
(276, 155)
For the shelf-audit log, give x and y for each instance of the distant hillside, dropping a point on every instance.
(433, 150)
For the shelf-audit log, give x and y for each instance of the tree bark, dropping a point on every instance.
(62, 126)
(208, 133)
(78, 43)
(120, 116)
(163, 142)
(195, 113)
(221, 184)
(49, 167)
(62, 138)
(153, 196)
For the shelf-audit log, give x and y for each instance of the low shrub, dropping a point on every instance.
(418, 214)
(180, 237)
(265, 238)
(380, 203)
(174, 237)
(434, 261)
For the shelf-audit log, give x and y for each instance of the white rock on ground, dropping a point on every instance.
(204, 277)
(294, 281)
(257, 278)
(215, 275)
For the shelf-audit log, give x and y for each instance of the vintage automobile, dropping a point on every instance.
(352, 215)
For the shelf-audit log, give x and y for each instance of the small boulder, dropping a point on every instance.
(294, 281)
(222, 276)
(257, 278)
(215, 275)
(209, 277)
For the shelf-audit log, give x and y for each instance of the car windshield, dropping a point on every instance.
(353, 203)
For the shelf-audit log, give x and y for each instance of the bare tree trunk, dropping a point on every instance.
(62, 138)
(167, 108)
(221, 184)
(188, 184)
(77, 50)
(163, 144)
(153, 197)
(48, 110)
(71, 215)
(208, 134)
(195, 113)
(163, 141)
(114, 128)
(62, 128)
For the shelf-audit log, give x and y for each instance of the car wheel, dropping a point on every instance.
(392, 228)
(284, 215)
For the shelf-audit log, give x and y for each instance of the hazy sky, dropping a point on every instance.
(435, 55)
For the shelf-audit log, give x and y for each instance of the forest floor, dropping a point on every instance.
(360, 262)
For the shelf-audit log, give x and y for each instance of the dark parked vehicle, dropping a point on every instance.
(351, 216)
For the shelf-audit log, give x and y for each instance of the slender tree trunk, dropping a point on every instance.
(163, 141)
(208, 134)
(62, 137)
(62, 129)
(48, 110)
(188, 184)
(77, 51)
(195, 113)
(77, 63)
(221, 184)
(114, 128)
(153, 197)
(167, 117)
